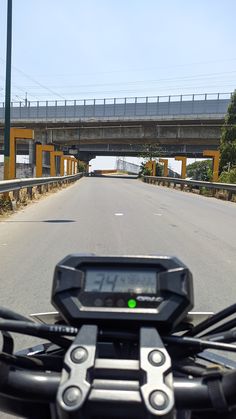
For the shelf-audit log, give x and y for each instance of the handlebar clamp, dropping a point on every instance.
(144, 385)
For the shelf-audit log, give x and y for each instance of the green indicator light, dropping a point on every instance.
(132, 303)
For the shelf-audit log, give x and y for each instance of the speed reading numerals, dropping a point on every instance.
(123, 281)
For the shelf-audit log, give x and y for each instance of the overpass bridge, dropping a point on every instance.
(185, 124)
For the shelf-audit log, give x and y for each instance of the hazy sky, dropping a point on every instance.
(78, 49)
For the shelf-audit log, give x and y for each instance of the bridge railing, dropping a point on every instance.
(230, 188)
(17, 184)
(207, 103)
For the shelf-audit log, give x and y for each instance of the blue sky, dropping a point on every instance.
(115, 48)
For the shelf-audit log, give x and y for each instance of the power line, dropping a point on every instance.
(134, 91)
(35, 81)
(171, 79)
(19, 88)
(140, 69)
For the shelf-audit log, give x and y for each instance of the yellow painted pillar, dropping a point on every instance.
(76, 166)
(154, 168)
(151, 165)
(53, 155)
(148, 166)
(39, 157)
(62, 166)
(16, 133)
(184, 165)
(73, 166)
(165, 162)
(216, 162)
(39, 160)
(69, 166)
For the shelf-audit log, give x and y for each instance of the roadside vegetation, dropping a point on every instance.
(200, 170)
(228, 145)
(144, 171)
(151, 152)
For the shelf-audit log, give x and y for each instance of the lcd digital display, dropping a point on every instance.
(124, 281)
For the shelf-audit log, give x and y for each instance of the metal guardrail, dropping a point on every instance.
(17, 184)
(189, 104)
(229, 187)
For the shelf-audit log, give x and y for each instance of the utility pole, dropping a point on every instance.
(8, 93)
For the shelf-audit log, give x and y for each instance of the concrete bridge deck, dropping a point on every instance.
(176, 124)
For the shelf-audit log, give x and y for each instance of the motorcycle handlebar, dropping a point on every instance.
(190, 393)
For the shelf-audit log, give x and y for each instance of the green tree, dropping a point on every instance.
(146, 172)
(228, 177)
(152, 151)
(228, 137)
(200, 170)
(81, 166)
(148, 152)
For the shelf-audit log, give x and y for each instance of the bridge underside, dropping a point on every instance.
(88, 152)
(88, 139)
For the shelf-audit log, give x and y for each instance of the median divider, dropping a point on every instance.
(11, 190)
(218, 190)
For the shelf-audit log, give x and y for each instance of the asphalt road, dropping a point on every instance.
(117, 216)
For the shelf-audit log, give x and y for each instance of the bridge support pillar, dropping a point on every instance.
(151, 165)
(216, 161)
(15, 133)
(165, 162)
(183, 166)
(39, 158)
(71, 165)
(53, 155)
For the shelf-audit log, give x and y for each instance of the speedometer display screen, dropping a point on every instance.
(121, 280)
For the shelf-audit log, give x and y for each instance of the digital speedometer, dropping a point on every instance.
(124, 281)
(107, 289)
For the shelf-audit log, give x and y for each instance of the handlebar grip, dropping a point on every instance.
(190, 393)
(36, 385)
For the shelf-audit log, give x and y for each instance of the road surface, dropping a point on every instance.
(118, 216)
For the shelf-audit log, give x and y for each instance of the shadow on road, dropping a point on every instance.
(39, 221)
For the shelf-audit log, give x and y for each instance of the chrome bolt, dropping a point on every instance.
(159, 400)
(156, 358)
(72, 396)
(79, 355)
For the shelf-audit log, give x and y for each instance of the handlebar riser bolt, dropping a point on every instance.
(159, 400)
(79, 355)
(156, 358)
(72, 396)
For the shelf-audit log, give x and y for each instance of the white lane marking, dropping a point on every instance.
(159, 215)
(3, 244)
(119, 214)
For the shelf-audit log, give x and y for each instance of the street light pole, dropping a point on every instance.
(8, 93)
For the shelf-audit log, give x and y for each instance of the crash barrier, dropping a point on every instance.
(42, 185)
(215, 187)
